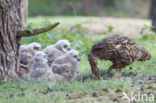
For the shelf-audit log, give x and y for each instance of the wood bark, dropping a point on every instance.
(153, 14)
(85, 7)
(10, 22)
(106, 2)
(10, 36)
(32, 32)
(24, 11)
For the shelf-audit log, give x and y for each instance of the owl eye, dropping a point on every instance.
(36, 48)
(65, 46)
(75, 56)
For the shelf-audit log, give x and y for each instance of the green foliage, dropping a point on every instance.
(52, 7)
(123, 5)
(147, 33)
(110, 28)
(96, 7)
(76, 35)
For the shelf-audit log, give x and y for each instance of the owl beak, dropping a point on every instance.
(78, 59)
(69, 49)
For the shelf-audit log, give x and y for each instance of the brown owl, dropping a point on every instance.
(120, 50)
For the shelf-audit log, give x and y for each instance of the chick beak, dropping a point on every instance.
(78, 59)
(39, 49)
(69, 49)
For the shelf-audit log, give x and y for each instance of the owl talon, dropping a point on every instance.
(118, 73)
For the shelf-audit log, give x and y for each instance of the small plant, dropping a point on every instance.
(109, 30)
(76, 35)
(147, 33)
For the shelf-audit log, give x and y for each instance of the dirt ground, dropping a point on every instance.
(98, 25)
(122, 26)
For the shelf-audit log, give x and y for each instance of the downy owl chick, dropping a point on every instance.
(26, 54)
(66, 65)
(56, 50)
(40, 69)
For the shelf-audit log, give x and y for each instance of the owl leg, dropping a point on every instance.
(92, 76)
(97, 73)
(110, 68)
(118, 72)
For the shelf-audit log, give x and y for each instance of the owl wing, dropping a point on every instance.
(37, 73)
(64, 69)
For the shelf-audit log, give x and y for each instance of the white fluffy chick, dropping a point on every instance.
(34, 47)
(40, 70)
(67, 65)
(26, 54)
(57, 50)
(63, 46)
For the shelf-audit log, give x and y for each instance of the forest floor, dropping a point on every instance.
(138, 81)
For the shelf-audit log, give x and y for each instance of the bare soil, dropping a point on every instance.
(122, 26)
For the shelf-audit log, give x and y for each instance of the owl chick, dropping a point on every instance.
(26, 53)
(63, 46)
(66, 65)
(56, 50)
(34, 47)
(40, 69)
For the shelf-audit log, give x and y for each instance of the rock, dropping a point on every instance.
(95, 94)
(118, 90)
(130, 68)
(67, 95)
(106, 90)
(115, 99)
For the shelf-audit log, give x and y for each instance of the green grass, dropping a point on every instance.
(26, 91)
(138, 77)
(76, 19)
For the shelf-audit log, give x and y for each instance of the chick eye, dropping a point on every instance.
(75, 56)
(65, 46)
(29, 56)
(35, 48)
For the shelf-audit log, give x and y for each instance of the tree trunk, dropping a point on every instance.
(10, 22)
(10, 35)
(85, 7)
(24, 11)
(106, 3)
(153, 14)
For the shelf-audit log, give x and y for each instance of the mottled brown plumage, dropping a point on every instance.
(120, 50)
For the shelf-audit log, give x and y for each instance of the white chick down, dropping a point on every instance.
(52, 53)
(40, 69)
(26, 54)
(63, 46)
(57, 50)
(67, 65)
(34, 47)
(26, 61)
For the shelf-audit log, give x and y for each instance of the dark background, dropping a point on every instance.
(115, 8)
